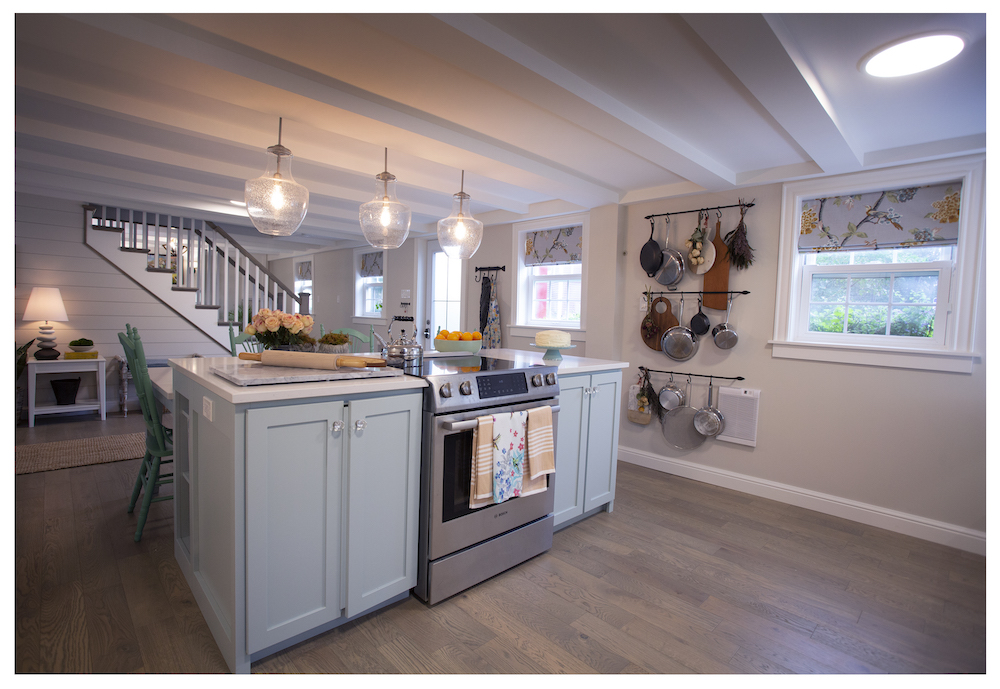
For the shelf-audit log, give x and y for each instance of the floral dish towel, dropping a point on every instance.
(509, 434)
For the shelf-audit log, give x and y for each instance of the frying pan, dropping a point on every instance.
(678, 427)
(679, 342)
(708, 420)
(673, 264)
(723, 334)
(699, 322)
(650, 256)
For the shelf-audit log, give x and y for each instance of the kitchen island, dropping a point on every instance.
(295, 505)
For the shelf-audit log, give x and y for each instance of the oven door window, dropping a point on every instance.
(457, 475)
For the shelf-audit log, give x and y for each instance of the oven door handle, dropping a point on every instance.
(472, 423)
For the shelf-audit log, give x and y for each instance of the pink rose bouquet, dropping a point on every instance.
(276, 328)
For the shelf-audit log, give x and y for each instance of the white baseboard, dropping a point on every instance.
(912, 525)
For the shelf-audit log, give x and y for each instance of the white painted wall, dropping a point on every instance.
(99, 299)
(892, 440)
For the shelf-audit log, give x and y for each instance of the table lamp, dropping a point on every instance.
(45, 304)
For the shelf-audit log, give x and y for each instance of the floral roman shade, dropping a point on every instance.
(881, 219)
(371, 265)
(554, 247)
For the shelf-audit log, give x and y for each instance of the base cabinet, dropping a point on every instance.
(586, 443)
(292, 518)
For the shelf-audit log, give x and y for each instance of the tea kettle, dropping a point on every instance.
(403, 352)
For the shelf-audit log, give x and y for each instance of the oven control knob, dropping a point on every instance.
(465, 388)
(550, 378)
(446, 390)
(536, 380)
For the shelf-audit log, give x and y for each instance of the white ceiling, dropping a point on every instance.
(545, 113)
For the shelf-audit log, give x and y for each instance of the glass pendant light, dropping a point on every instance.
(385, 221)
(460, 234)
(276, 203)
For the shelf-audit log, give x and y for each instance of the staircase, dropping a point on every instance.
(192, 266)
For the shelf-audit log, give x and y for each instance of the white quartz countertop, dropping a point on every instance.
(199, 370)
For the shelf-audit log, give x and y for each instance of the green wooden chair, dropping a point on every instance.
(159, 440)
(249, 343)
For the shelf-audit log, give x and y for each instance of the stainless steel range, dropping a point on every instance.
(458, 546)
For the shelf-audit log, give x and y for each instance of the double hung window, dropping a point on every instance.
(368, 283)
(884, 275)
(550, 276)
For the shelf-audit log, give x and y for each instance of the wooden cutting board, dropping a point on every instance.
(329, 362)
(717, 277)
(665, 320)
(650, 331)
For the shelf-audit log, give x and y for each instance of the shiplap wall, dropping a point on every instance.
(49, 251)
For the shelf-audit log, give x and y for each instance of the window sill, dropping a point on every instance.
(890, 357)
(576, 334)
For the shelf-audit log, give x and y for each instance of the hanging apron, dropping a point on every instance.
(491, 333)
(484, 303)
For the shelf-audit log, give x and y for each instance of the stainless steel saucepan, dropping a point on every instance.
(723, 334)
(671, 396)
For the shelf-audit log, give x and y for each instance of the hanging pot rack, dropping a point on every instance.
(751, 204)
(696, 292)
(645, 370)
(490, 271)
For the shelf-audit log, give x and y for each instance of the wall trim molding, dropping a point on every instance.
(909, 524)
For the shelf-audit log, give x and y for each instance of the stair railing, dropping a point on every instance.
(202, 258)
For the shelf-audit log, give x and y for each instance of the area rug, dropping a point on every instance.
(63, 454)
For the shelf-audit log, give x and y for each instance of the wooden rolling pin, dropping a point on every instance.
(312, 360)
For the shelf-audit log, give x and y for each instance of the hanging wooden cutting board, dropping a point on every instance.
(717, 278)
(649, 330)
(665, 320)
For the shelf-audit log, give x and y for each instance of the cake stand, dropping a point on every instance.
(551, 353)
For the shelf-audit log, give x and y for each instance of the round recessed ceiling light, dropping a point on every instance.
(912, 55)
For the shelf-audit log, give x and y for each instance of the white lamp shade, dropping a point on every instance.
(45, 304)
(460, 234)
(276, 203)
(385, 220)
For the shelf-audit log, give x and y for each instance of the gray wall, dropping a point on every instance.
(829, 435)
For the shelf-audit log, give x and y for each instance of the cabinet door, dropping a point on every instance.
(383, 475)
(602, 439)
(571, 447)
(294, 499)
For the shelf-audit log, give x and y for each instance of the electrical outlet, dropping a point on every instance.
(406, 294)
(643, 305)
(206, 409)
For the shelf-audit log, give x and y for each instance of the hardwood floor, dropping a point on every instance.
(683, 577)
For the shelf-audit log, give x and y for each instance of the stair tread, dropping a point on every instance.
(151, 269)
(175, 288)
(208, 306)
(132, 250)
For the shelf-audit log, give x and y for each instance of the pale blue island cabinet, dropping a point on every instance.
(296, 505)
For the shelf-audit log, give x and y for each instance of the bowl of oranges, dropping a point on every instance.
(446, 341)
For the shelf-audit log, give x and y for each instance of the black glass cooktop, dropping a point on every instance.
(450, 365)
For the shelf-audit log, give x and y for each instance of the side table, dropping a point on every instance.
(60, 365)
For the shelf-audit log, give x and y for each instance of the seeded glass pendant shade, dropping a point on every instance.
(460, 234)
(385, 221)
(276, 203)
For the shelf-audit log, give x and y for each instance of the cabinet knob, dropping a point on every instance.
(338, 426)
(360, 425)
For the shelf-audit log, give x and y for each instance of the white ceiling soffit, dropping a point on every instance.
(545, 113)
